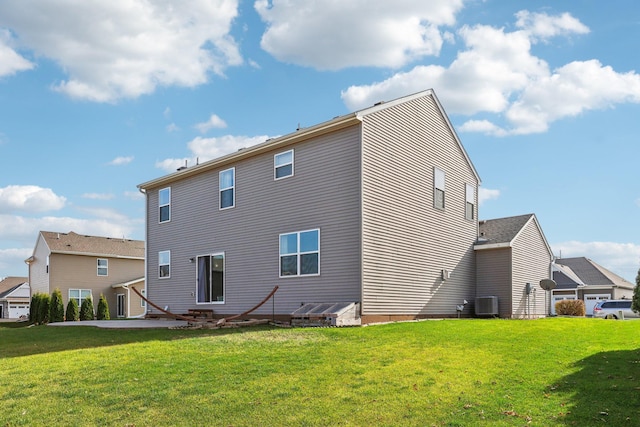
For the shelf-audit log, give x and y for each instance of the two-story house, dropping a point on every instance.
(81, 266)
(376, 207)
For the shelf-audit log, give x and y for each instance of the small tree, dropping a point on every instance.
(56, 308)
(86, 309)
(34, 308)
(635, 304)
(43, 309)
(72, 314)
(103, 308)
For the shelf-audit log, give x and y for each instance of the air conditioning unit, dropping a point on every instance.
(487, 306)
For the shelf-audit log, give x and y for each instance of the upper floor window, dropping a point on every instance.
(470, 195)
(300, 253)
(438, 190)
(164, 264)
(283, 165)
(227, 185)
(164, 203)
(103, 267)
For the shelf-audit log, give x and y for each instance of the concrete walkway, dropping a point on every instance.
(127, 324)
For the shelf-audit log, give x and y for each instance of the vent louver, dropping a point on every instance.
(487, 306)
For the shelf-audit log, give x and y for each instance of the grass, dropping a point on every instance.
(549, 372)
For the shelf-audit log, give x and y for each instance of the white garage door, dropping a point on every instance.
(557, 298)
(17, 310)
(590, 301)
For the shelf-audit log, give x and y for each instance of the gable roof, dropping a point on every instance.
(502, 232)
(78, 244)
(10, 284)
(339, 122)
(593, 274)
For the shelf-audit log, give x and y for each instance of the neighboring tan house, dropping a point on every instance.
(583, 279)
(14, 297)
(512, 256)
(376, 208)
(82, 266)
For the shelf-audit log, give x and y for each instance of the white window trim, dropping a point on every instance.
(224, 279)
(276, 165)
(160, 265)
(439, 180)
(124, 308)
(79, 295)
(232, 187)
(166, 204)
(105, 267)
(298, 254)
(470, 197)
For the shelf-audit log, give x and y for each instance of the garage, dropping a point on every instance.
(590, 301)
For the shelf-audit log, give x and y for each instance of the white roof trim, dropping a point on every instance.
(492, 246)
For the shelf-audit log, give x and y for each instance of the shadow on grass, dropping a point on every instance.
(605, 390)
(19, 340)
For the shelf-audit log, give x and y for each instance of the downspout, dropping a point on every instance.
(146, 237)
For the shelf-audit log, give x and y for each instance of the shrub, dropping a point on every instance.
(103, 308)
(56, 308)
(86, 309)
(43, 309)
(635, 304)
(34, 308)
(72, 314)
(570, 307)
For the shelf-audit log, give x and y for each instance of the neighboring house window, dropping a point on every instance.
(164, 204)
(79, 295)
(210, 279)
(283, 165)
(300, 253)
(103, 267)
(164, 264)
(227, 188)
(438, 191)
(469, 212)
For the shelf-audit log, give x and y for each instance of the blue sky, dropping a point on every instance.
(97, 97)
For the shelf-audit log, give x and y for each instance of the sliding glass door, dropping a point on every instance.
(210, 278)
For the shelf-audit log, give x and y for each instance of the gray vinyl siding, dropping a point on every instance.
(406, 242)
(531, 263)
(324, 193)
(493, 277)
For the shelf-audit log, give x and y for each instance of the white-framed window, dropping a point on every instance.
(164, 264)
(210, 279)
(164, 205)
(143, 303)
(47, 267)
(300, 253)
(79, 295)
(283, 165)
(470, 205)
(103, 267)
(227, 187)
(438, 188)
(120, 305)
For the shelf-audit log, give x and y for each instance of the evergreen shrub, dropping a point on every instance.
(86, 309)
(73, 313)
(56, 308)
(103, 308)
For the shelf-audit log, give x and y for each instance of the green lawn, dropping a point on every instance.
(545, 372)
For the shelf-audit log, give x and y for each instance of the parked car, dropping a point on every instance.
(612, 309)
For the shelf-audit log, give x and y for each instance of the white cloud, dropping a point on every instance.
(544, 26)
(622, 259)
(98, 196)
(497, 73)
(213, 122)
(29, 198)
(331, 35)
(119, 161)
(12, 260)
(172, 127)
(204, 149)
(127, 48)
(134, 195)
(10, 61)
(485, 194)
